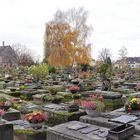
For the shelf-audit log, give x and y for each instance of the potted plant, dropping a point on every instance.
(12, 89)
(74, 89)
(73, 108)
(94, 105)
(76, 81)
(134, 103)
(36, 119)
(39, 71)
(52, 90)
(2, 112)
(4, 103)
(137, 87)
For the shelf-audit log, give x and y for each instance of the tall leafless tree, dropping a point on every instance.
(122, 52)
(24, 55)
(104, 54)
(123, 57)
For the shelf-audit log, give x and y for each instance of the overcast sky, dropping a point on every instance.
(116, 23)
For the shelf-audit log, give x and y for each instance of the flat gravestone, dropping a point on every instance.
(79, 131)
(59, 113)
(11, 115)
(75, 131)
(124, 119)
(31, 106)
(6, 131)
(54, 107)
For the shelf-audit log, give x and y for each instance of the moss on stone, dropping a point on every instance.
(26, 132)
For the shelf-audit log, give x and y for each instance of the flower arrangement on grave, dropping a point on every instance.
(36, 117)
(94, 105)
(4, 103)
(52, 90)
(2, 112)
(76, 80)
(84, 75)
(134, 103)
(74, 89)
(137, 88)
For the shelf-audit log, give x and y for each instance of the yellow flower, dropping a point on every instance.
(134, 100)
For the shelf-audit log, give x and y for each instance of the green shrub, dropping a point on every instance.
(26, 131)
(48, 98)
(52, 90)
(51, 69)
(22, 87)
(76, 96)
(39, 72)
(53, 99)
(26, 97)
(68, 95)
(15, 94)
(16, 106)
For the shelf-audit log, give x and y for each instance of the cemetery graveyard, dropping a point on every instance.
(69, 109)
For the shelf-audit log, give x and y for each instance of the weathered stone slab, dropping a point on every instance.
(12, 114)
(23, 131)
(104, 121)
(137, 94)
(62, 132)
(38, 98)
(6, 131)
(130, 85)
(105, 94)
(59, 114)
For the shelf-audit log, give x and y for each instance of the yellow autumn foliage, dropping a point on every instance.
(63, 51)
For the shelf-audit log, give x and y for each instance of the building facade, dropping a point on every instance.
(8, 56)
(131, 62)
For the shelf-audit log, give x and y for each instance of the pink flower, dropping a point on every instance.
(89, 105)
(2, 112)
(101, 98)
(74, 88)
(93, 97)
(97, 97)
(36, 117)
(138, 86)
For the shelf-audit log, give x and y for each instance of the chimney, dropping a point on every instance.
(2, 43)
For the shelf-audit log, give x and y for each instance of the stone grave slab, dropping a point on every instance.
(59, 113)
(105, 120)
(130, 85)
(38, 98)
(79, 131)
(6, 131)
(105, 94)
(124, 119)
(12, 114)
(137, 94)
(31, 106)
(22, 131)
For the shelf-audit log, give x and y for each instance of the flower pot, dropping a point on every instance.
(135, 107)
(93, 113)
(121, 132)
(73, 108)
(37, 125)
(13, 89)
(5, 107)
(73, 91)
